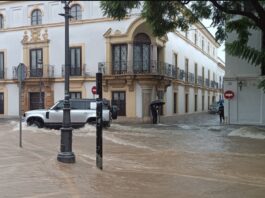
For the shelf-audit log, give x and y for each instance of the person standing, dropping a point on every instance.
(154, 113)
(221, 113)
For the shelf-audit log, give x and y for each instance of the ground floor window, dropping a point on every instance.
(36, 100)
(1, 103)
(119, 99)
(202, 103)
(175, 102)
(195, 103)
(208, 102)
(186, 103)
(75, 95)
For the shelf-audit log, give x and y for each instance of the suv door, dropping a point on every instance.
(56, 114)
(78, 111)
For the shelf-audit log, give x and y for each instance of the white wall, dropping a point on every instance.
(13, 99)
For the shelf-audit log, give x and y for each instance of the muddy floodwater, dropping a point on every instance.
(189, 158)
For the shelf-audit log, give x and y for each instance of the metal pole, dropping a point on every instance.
(228, 111)
(99, 145)
(66, 155)
(20, 116)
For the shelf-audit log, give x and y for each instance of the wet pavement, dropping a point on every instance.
(183, 156)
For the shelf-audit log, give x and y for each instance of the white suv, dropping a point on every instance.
(82, 111)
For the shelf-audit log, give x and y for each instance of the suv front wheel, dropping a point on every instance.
(36, 121)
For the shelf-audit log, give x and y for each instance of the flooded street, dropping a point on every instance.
(183, 156)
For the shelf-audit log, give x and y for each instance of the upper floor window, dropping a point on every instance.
(2, 65)
(202, 43)
(208, 48)
(75, 95)
(186, 34)
(76, 62)
(119, 58)
(1, 21)
(141, 53)
(195, 37)
(36, 63)
(76, 12)
(186, 69)
(36, 17)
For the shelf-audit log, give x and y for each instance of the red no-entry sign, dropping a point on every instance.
(94, 90)
(229, 94)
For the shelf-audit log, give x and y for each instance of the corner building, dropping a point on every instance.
(181, 68)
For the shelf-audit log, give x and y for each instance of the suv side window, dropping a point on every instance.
(78, 104)
(59, 106)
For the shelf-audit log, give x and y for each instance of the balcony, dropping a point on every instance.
(138, 67)
(45, 72)
(77, 71)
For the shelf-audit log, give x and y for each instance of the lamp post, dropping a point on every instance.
(66, 155)
(40, 74)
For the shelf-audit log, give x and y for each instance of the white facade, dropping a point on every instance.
(247, 106)
(96, 36)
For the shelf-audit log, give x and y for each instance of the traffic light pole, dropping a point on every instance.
(99, 145)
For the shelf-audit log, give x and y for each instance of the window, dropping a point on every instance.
(141, 53)
(36, 18)
(202, 43)
(75, 95)
(36, 69)
(196, 103)
(2, 62)
(75, 60)
(213, 51)
(175, 100)
(186, 69)
(119, 58)
(176, 65)
(202, 102)
(186, 34)
(76, 12)
(2, 103)
(1, 21)
(195, 37)
(196, 73)
(208, 48)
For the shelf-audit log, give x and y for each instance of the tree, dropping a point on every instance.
(166, 16)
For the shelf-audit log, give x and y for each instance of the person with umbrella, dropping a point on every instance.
(154, 108)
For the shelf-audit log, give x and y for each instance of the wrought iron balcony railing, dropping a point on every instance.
(45, 72)
(78, 71)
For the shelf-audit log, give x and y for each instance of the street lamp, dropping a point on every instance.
(66, 155)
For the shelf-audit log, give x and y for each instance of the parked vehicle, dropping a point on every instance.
(214, 108)
(82, 111)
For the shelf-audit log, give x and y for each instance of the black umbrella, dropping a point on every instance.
(157, 102)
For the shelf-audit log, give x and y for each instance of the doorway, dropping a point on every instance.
(36, 100)
(1, 103)
(119, 99)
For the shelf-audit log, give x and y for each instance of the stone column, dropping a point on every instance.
(154, 63)
(130, 58)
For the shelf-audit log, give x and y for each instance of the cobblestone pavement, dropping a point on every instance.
(183, 156)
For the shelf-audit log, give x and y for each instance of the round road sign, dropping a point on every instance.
(94, 90)
(229, 94)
